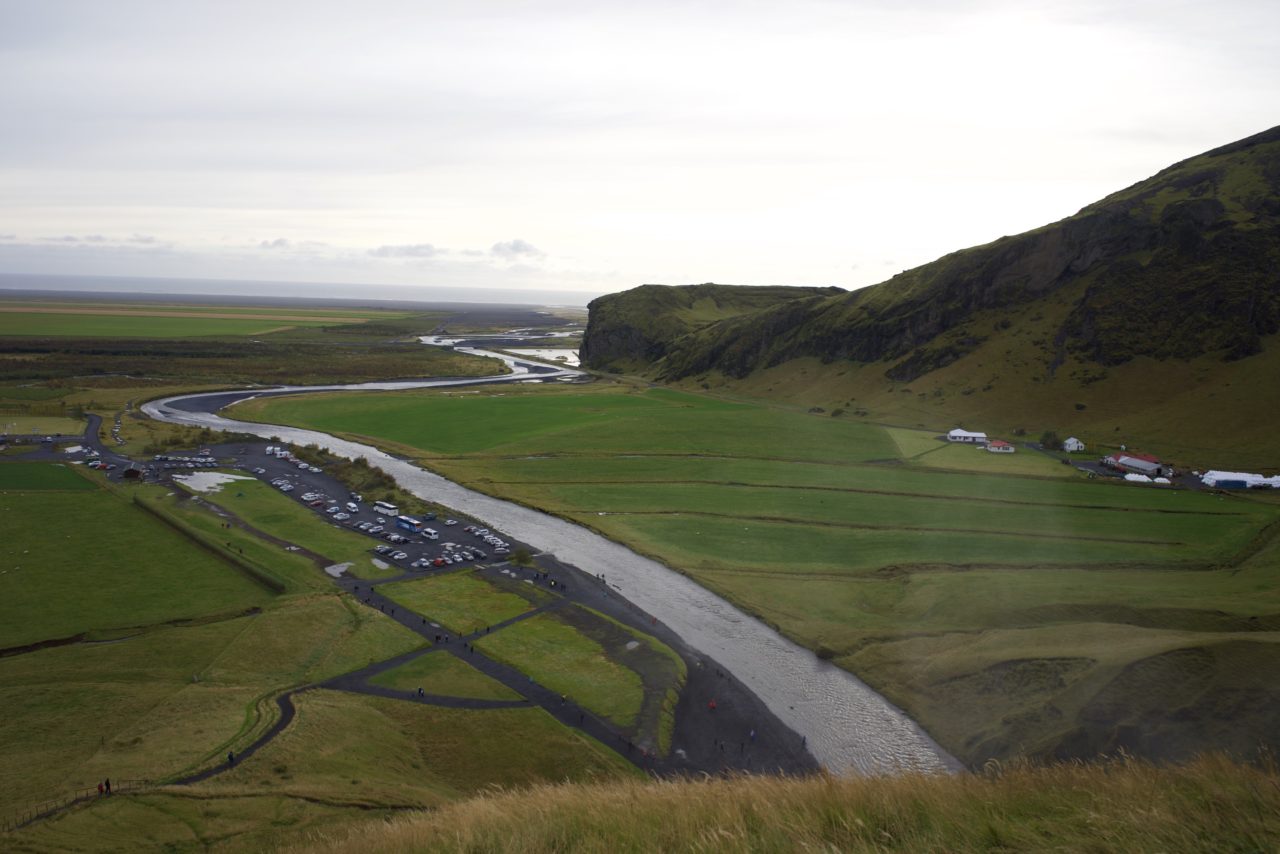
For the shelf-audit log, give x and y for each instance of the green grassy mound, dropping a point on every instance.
(446, 676)
(1211, 805)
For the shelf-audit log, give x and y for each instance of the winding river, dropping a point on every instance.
(849, 727)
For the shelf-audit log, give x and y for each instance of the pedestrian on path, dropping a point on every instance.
(99, 788)
(711, 706)
(107, 784)
(231, 758)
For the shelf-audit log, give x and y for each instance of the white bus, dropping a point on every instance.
(386, 509)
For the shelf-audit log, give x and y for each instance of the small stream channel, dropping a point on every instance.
(849, 727)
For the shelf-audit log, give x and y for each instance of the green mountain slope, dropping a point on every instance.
(1181, 267)
(632, 329)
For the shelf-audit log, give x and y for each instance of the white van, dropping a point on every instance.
(430, 534)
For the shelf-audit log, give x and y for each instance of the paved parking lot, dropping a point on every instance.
(330, 499)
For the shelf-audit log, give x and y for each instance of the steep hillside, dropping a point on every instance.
(1182, 266)
(632, 329)
(1210, 805)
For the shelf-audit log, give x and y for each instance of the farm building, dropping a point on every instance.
(1135, 464)
(999, 446)
(958, 435)
(1073, 445)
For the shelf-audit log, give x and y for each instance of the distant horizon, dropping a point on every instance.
(60, 283)
(572, 147)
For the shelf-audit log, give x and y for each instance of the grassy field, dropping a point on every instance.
(347, 760)
(557, 655)
(177, 649)
(463, 601)
(56, 571)
(38, 477)
(445, 675)
(883, 549)
(90, 325)
(274, 513)
(148, 320)
(1210, 806)
(610, 420)
(17, 425)
(183, 657)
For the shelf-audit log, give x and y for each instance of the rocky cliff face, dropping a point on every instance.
(635, 328)
(1185, 263)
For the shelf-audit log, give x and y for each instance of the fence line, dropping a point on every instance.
(41, 809)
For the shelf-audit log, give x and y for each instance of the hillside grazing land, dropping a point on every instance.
(140, 653)
(1042, 604)
(1151, 317)
(1209, 806)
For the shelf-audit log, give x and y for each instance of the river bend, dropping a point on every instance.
(849, 727)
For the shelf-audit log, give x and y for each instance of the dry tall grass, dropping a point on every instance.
(1212, 804)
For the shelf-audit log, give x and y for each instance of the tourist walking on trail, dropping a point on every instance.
(231, 758)
(99, 788)
(107, 784)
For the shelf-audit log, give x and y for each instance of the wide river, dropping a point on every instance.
(850, 728)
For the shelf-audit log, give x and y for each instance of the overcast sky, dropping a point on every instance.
(593, 146)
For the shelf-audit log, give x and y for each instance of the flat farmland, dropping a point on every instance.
(53, 567)
(522, 421)
(848, 538)
(131, 325)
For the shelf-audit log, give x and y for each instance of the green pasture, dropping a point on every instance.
(955, 456)
(517, 421)
(912, 443)
(17, 425)
(708, 542)
(1200, 534)
(462, 601)
(878, 547)
(279, 515)
(32, 476)
(172, 699)
(35, 324)
(90, 561)
(446, 675)
(381, 752)
(296, 571)
(559, 656)
(522, 474)
(293, 311)
(31, 393)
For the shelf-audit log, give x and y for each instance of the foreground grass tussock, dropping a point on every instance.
(1211, 804)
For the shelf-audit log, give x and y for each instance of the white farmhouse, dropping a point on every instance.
(958, 435)
(1073, 445)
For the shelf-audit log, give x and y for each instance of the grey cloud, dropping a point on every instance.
(8, 237)
(142, 238)
(517, 248)
(278, 243)
(411, 250)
